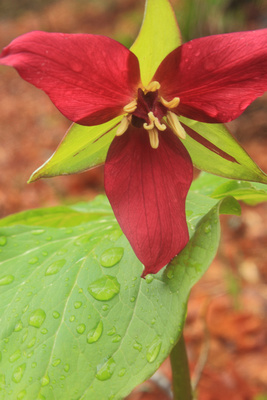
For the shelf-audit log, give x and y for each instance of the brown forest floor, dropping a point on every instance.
(226, 325)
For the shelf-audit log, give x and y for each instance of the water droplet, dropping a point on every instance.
(170, 274)
(31, 342)
(21, 395)
(44, 331)
(55, 267)
(3, 240)
(29, 355)
(132, 299)
(15, 356)
(104, 288)
(34, 364)
(72, 318)
(6, 280)
(207, 228)
(80, 329)
(38, 232)
(153, 350)
(33, 260)
(56, 362)
(77, 304)
(149, 278)
(122, 372)
(105, 307)
(18, 373)
(62, 251)
(111, 331)
(41, 397)
(2, 381)
(105, 371)
(66, 368)
(137, 346)
(45, 380)
(76, 67)
(44, 253)
(171, 341)
(153, 321)
(116, 339)
(37, 318)
(24, 337)
(56, 315)
(111, 257)
(48, 238)
(94, 334)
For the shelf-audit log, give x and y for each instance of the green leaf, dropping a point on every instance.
(159, 35)
(77, 321)
(244, 168)
(218, 188)
(83, 147)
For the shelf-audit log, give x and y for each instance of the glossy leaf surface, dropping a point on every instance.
(77, 321)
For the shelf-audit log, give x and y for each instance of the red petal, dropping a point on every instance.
(147, 189)
(216, 77)
(89, 78)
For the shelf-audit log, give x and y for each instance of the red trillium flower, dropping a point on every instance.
(93, 79)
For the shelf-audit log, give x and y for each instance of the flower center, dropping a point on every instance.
(147, 111)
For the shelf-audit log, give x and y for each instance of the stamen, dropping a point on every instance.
(170, 104)
(154, 138)
(175, 125)
(150, 126)
(125, 122)
(152, 87)
(131, 107)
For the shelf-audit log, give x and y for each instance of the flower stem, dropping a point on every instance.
(180, 372)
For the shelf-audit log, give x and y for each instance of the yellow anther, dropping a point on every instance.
(154, 138)
(170, 104)
(125, 122)
(131, 107)
(152, 87)
(175, 125)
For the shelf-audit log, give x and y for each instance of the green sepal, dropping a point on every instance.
(82, 148)
(159, 35)
(242, 168)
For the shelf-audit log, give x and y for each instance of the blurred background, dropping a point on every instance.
(226, 328)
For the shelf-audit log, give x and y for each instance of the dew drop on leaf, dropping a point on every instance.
(80, 329)
(137, 346)
(105, 307)
(45, 380)
(6, 280)
(94, 334)
(111, 257)
(104, 288)
(153, 350)
(34, 365)
(105, 371)
(55, 267)
(56, 362)
(3, 240)
(207, 228)
(116, 339)
(31, 342)
(149, 278)
(18, 373)
(44, 331)
(132, 299)
(62, 251)
(21, 395)
(41, 397)
(15, 356)
(37, 318)
(33, 260)
(77, 304)
(170, 274)
(56, 314)
(66, 368)
(122, 372)
(38, 232)
(2, 381)
(72, 318)
(112, 331)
